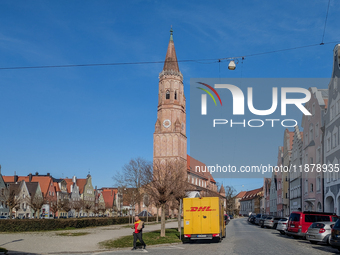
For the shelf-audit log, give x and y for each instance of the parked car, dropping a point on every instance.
(3, 217)
(231, 216)
(259, 220)
(282, 225)
(226, 219)
(299, 222)
(269, 222)
(335, 236)
(251, 219)
(276, 221)
(320, 232)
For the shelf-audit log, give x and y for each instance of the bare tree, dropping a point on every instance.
(54, 207)
(133, 176)
(77, 206)
(66, 205)
(147, 203)
(12, 201)
(36, 204)
(230, 193)
(88, 205)
(162, 188)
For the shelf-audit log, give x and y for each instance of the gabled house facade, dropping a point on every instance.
(312, 181)
(331, 139)
(295, 175)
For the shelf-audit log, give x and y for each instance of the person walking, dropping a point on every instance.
(138, 227)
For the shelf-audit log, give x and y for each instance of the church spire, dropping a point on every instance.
(170, 62)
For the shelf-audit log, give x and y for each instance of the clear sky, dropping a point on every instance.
(69, 121)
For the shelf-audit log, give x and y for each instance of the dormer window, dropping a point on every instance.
(167, 94)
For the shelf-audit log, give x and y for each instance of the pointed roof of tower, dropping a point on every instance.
(170, 62)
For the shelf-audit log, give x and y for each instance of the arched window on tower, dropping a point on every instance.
(167, 94)
(176, 95)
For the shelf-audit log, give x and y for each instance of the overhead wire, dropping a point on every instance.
(324, 28)
(162, 61)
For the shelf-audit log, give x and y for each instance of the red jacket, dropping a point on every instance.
(136, 226)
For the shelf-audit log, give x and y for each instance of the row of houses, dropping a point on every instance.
(312, 154)
(43, 196)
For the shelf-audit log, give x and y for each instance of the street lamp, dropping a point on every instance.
(232, 65)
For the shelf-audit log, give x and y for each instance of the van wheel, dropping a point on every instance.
(313, 242)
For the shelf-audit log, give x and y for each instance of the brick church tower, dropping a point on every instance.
(169, 138)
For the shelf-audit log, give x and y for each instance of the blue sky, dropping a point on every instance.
(69, 121)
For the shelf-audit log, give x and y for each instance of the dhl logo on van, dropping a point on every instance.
(200, 209)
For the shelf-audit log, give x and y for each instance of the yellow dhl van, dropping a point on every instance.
(203, 218)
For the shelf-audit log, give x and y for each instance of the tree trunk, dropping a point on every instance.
(157, 214)
(179, 217)
(138, 208)
(10, 213)
(163, 220)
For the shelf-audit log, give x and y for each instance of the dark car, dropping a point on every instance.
(335, 236)
(226, 219)
(251, 219)
(231, 216)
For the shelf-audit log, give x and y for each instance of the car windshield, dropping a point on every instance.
(258, 216)
(282, 220)
(269, 218)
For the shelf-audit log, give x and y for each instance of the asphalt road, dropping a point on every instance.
(242, 238)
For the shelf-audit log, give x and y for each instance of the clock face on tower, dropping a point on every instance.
(166, 123)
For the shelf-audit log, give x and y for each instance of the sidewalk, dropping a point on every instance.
(49, 242)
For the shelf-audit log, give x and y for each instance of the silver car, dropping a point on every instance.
(320, 232)
(269, 222)
(282, 226)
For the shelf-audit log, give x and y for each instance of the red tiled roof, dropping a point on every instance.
(251, 194)
(326, 102)
(44, 181)
(56, 186)
(81, 184)
(241, 194)
(69, 183)
(192, 163)
(109, 196)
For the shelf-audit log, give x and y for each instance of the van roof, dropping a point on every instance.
(316, 213)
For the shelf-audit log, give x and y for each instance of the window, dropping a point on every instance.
(331, 113)
(311, 134)
(167, 94)
(328, 144)
(318, 184)
(306, 186)
(316, 129)
(335, 140)
(311, 160)
(176, 95)
(313, 109)
(311, 187)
